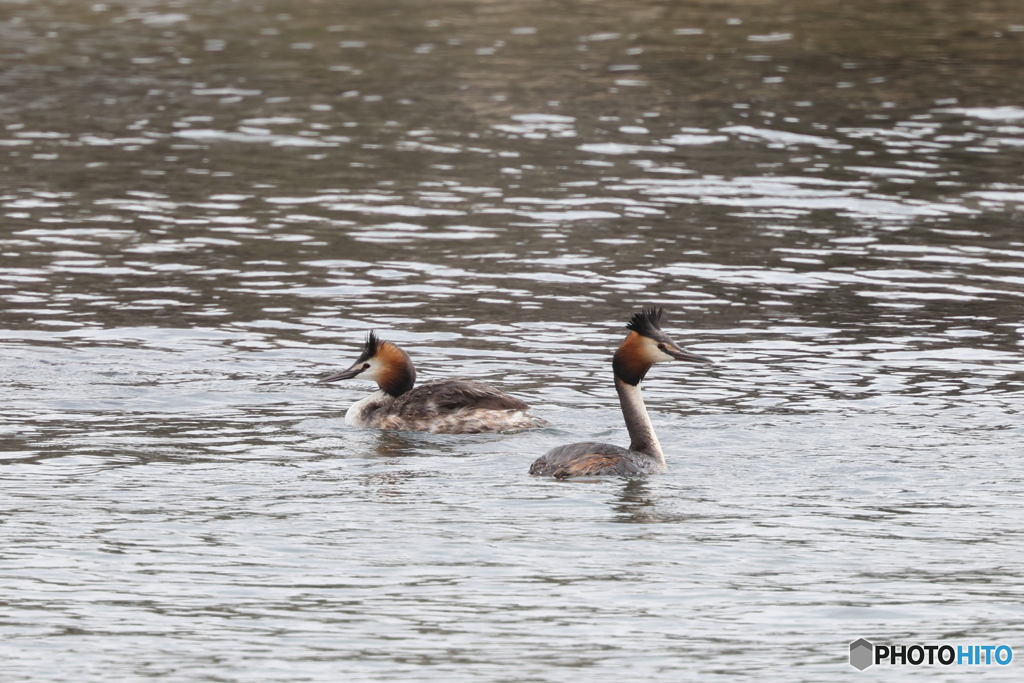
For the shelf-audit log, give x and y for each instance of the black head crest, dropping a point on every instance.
(646, 323)
(373, 342)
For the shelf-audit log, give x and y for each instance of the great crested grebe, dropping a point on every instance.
(645, 345)
(447, 406)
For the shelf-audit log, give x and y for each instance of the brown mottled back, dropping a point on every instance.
(450, 395)
(590, 459)
(589, 465)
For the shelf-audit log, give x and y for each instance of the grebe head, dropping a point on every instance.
(381, 362)
(646, 345)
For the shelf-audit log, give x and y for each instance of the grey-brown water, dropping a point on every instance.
(206, 205)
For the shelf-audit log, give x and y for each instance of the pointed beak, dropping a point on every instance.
(682, 354)
(345, 374)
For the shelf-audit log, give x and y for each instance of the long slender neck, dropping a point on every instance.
(638, 424)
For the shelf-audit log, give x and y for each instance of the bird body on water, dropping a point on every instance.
(645, 345)
(449, 406)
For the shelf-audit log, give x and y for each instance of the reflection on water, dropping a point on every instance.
(204, 206)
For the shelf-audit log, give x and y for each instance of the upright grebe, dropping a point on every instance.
(449, 406)
(645, 345)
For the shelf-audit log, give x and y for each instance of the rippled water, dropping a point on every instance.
(205, 205)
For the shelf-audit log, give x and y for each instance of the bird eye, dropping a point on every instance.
(365, 365)
(661, 347)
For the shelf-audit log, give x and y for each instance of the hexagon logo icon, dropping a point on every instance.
(861, 654)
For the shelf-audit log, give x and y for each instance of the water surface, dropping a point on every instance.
(204, 206)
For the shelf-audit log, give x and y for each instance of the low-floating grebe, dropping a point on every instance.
(449, 406)
(645, 345)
